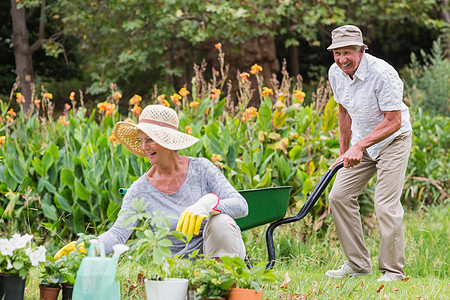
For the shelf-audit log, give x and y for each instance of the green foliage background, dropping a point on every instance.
(60, 177)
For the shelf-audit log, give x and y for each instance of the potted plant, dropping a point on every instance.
(150, 248)
(17, 255)
(209, 279)
(51, 279)
(248, 281)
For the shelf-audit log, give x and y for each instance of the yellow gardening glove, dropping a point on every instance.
(69, 248)
(191, 219)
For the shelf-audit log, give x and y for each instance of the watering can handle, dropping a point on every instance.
(94, 246)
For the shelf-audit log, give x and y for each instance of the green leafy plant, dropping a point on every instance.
(52, 275)
(208, 278)
(247, 278)
(150, 246)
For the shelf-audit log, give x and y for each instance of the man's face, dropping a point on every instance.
(348, 59)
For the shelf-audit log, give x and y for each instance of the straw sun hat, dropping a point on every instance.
(160, 123)
(347, 35)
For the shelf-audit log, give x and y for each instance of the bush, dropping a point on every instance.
(428, 82)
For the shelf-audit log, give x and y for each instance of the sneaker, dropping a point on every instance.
(343, 271)
(386, 278)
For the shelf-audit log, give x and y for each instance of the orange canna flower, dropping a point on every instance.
(11, 113)
(249, 113)
(37, 102)
(266, 92)
(166, 103)
(244, 76)
(183, 92)
(176, 99)
(215, 94)
(216, 157)
(113, 139)
(9, 119)
(136, 110)
(188, 129)
(117, 96)
(161, 98)
(218, 46)
(67, 106)
(47, 95)
(207, 111)
(72, 96)
(299, 95)
(102, 107)
(20, 98)
(2, 140)
(194, 104)
(255, 69)
(64, 121)
(135, 99)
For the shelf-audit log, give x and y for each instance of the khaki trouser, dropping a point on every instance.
(390, 167)
(222, 237)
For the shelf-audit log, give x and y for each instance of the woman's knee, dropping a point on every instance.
(222, 237)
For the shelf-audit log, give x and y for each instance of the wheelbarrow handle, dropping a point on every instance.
(306, 208)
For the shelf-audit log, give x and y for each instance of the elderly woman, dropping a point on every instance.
(192, 188)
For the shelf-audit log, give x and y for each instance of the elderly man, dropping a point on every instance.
(375, 137)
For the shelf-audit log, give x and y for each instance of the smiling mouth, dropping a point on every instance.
(151, 154)
(346, 65)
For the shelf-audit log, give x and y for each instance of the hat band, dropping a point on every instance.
(162, 124)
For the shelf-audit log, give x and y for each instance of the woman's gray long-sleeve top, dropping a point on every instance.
(202, 178)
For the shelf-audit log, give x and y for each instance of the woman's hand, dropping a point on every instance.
(191, 219)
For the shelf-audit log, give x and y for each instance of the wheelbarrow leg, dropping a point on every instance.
(306, 208)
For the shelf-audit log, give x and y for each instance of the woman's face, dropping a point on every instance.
(348, 59)
(152, 150)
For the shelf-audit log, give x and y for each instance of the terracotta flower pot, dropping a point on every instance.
(244, 294)
(48, 293)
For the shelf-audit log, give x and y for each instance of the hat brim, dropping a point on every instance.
(346, 44)
(127, 133)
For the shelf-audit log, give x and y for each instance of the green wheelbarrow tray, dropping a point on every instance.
(265, 205)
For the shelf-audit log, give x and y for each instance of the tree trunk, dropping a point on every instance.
(22, 54)
(294, 63)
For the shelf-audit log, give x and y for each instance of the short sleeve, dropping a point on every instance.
(389, 90)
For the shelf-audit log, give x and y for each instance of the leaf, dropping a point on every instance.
(65, 205)
(54, 151)
(295, 152)
(265, 115)
(157, 256)
(380, 288)
(47, 161)
(286, 281)
(67, 177)
(81, 191)
(50, 211)
(112, 210)
(165, 243)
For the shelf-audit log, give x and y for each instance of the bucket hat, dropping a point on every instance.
(160, 123)
(347, 35)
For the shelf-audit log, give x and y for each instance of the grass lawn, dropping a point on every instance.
(306, 260)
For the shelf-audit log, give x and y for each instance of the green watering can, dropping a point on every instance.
(96, 277)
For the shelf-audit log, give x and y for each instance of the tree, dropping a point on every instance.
(23, 50)
(126, 37)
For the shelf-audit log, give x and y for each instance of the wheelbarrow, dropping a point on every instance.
(266, 205)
